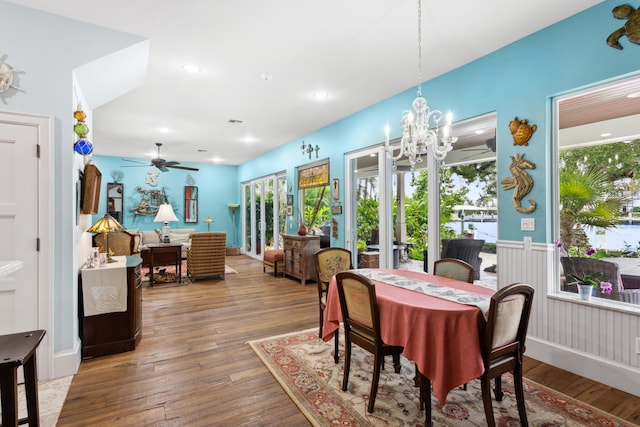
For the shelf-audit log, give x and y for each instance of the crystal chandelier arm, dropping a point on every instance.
(390, 149)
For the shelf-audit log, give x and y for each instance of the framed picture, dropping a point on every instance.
(289, 199)
(336, 189)
(290, 210)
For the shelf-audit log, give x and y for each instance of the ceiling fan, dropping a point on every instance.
(490, 148)
(160, 163)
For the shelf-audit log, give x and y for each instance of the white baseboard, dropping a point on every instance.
(68, 362)
(613, 374)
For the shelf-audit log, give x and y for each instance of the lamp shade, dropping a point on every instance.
(106, 224)
(165, 214)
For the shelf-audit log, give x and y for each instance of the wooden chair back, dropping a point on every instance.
(454, 269)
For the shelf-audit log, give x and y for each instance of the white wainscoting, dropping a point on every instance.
(596, 340)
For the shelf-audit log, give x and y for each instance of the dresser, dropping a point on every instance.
(110, 307)
(299, 256)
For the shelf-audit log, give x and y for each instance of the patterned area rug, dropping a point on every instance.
(168, 274)
(303, 364)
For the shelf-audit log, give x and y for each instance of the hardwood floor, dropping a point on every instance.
(193, 366)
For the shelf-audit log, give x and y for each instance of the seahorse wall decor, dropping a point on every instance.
(520, 182)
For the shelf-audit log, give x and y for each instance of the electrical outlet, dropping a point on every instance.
(638, 345)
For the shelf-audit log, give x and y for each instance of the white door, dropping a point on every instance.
(19, 226)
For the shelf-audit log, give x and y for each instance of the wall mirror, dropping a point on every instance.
(115, 200)
(190, 204)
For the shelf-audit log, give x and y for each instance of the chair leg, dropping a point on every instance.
(396, 363)
(498, 388)
(347, 364)
(336, 355)
(485, 385)
(425, 398)
(321, 322)
(374, 381)
(519, 389)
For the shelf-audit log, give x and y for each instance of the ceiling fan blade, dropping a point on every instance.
(133, 161)
(171, 163)
(162, 168)
(182, 167)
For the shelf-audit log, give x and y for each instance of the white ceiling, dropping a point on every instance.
(358, 51)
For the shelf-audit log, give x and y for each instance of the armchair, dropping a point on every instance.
(207, 254)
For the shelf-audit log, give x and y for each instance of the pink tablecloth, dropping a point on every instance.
(441, 337)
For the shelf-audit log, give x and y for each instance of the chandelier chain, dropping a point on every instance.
(419, 45)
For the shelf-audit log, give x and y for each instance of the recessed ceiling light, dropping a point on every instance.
(266, 77)
(634, 95)
(479, 132)
(217, 159)
(163, 129)
(191, 68)
(319, 96)
(249, 139)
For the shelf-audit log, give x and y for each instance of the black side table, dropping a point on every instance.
(161, 250)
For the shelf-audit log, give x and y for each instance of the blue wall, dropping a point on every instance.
(216, 189)
(517, 80)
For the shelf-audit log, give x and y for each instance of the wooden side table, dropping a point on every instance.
(162, 250)
(19, 350)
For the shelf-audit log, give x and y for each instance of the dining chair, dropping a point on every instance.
(502, 344)
(330, 261)
(452, 268)
(362, 327)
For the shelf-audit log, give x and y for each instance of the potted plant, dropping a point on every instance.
(586, 281)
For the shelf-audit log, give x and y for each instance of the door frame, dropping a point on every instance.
(44, 182)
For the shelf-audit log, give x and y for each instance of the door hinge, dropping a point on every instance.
(37, 244)
(38, 150)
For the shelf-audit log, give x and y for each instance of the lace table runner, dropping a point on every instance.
(439, 291)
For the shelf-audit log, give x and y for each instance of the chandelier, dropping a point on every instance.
(421, 126)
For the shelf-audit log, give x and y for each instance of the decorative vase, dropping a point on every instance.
(584, 291)
(302, 230)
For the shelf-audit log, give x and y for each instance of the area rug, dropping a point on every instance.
(168, 274)
(51, 396)
(303, 365)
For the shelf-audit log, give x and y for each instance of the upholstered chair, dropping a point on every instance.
(452, 268)
(502, 343)
(362, 327)
(329, 262)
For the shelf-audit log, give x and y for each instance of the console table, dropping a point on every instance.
(165, 252)
(113, 325)
(298, 256)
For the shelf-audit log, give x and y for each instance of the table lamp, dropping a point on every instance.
(106, 224)
(208, 220)
(165, 214)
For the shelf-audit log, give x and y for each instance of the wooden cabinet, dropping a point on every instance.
(298, 256)
(116, 331)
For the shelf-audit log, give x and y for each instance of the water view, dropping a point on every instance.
(623, 237)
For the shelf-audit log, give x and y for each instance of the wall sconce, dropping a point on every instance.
(308, 149)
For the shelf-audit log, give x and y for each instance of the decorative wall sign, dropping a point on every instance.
(336, 210)
(316, 175)
(631, 28)
(521, 131)
(520, 181)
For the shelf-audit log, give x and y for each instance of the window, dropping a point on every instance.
(598, 182)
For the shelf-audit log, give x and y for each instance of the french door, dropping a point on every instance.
(263, 213)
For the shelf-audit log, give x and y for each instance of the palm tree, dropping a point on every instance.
(586, 199)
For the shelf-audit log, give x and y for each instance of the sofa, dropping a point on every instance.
(177, 235)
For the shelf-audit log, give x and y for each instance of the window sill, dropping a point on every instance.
(596, 302)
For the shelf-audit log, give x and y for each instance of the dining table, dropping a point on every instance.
(442, 336)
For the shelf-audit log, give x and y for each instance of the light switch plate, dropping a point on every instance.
(528, 224)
